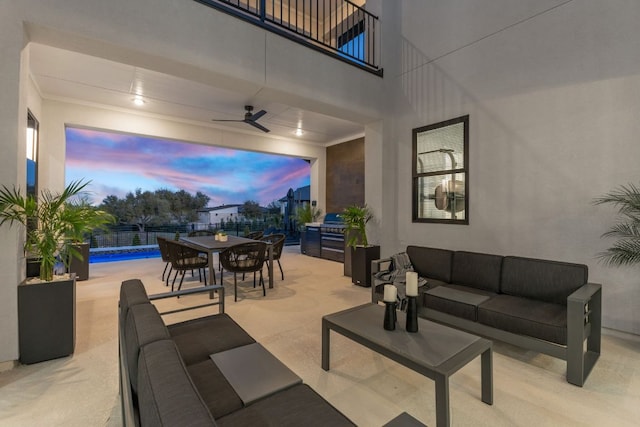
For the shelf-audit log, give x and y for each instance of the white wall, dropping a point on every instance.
(553, 101)
(14, 91)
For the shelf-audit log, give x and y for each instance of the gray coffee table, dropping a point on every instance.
(435, 351)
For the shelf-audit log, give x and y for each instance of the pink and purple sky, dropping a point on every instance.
(118, 163)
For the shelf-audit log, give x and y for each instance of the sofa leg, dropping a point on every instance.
(583, 323)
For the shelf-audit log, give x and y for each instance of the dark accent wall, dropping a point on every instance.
(345, 175)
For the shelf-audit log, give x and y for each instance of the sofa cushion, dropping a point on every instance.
(294, 407)
(477, 270)
(213, 387)
(132, 292)
(254, 372)
(524, 316)
(431, 262)
(198, 338)
(460, 301)
(167, 396)
(143, 325)
(542, 280)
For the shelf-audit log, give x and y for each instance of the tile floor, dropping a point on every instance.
(529, 388)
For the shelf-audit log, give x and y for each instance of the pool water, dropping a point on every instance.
(95, 258)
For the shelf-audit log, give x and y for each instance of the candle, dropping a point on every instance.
(412, 284)
(390, 293)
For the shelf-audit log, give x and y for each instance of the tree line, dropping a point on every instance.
(161, 207)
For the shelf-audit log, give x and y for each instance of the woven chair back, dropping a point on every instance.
(244, 257)
(277, 241)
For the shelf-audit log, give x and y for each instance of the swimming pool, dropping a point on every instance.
(123, 254)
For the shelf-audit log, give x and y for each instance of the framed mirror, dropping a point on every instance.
(441, 172)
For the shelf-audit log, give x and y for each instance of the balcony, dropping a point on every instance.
(339, 28)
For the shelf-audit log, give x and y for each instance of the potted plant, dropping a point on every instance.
(626, 250)
(89, 220)
(305, 214)
(46, 307)
(358, 253)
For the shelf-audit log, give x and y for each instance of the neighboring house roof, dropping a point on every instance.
(218, 208)
(240, 208)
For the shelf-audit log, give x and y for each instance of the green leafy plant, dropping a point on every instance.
(53, 223)
(626, 250)
(356, 218)
(306, 213)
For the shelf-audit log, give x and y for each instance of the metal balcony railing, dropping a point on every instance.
(337, 27)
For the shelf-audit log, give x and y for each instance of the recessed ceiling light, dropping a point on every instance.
(138, 100)
(299, 132)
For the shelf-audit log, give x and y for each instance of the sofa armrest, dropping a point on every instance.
(585, 293)
(211, 288)
(378, 266)
(584, 322)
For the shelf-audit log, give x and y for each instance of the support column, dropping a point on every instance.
(13, 119)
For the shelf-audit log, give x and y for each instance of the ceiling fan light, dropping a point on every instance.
(299, 132)
(137, 100)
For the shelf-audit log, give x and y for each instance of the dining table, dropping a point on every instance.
(211, 245)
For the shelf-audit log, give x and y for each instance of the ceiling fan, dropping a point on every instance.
(249, 118)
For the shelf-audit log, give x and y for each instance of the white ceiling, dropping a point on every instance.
(72, 76)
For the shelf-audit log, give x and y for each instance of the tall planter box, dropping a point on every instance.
(33, 267)
(361, 257)
(46, 320)
(80, 267)
(348, 253)
(303, 241)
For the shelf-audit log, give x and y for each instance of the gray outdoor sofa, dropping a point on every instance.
(541, 305)
(205, 372)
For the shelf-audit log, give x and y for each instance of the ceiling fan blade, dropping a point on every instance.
(257, 125)
(248, 118)
(257, 115)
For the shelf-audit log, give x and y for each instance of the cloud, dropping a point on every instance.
(118, 163)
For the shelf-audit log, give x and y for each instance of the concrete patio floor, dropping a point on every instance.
(529, 388)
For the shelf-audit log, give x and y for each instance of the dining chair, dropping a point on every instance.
(276, 241)
(164, 253)
(197, 233)
(255, 235)
(200, 233)
(244, 258)
(184, 258)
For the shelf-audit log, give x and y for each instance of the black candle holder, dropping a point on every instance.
(412, 314)
(390, 317)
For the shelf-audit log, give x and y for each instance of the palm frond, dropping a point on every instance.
(623, 252)
(14, 207)
(625, 198)
(624, 230)
(626, 250)
(53, 221)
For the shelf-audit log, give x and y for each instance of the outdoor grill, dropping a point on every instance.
(332, 237)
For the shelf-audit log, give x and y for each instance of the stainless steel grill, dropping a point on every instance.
(332, 237)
